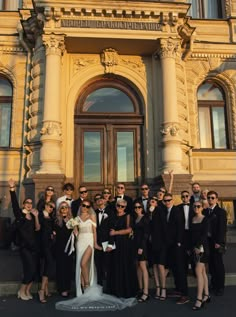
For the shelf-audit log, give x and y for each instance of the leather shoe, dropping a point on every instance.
(182, 300)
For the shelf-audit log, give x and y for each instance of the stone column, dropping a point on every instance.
(171, 142)
(50, 152)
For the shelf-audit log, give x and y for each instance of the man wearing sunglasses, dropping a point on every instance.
(196, 195)
(175, 247)
(145, 198)
(120, 194)
(83, 194)
(217, 240)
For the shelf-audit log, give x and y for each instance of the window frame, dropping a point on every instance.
(201, 13)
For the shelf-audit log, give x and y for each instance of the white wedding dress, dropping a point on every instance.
(93, 298)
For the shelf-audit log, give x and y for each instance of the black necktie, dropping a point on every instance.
(69, 199)
(210, 211)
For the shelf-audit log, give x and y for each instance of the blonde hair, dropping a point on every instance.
(59, 218)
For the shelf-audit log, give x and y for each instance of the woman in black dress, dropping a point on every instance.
(122, 277)
(200, 251)
(64, 261)
(27, 224)
(47, 197)
(47, 238)
(141, 235)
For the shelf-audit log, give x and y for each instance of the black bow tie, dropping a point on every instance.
(119, 196)
(101, 211)
(69, 199)
(144, 199)
(186, 204)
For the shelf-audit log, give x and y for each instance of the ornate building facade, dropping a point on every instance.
(96, 92)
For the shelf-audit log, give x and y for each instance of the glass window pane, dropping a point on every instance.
(108, 100)
(218, 117)
(205, 127)
(125, 156)
(5, 121)
(209, 91)
(211, 9)
(5, 88)
(92, 156)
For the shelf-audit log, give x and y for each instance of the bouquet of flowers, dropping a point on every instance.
(73, 222)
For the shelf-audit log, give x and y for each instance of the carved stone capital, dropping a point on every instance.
(109, 59)
(54, 43)
(51, 128)
(168, 48)
(170, 129)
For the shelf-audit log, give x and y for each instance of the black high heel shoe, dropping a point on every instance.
(198, 307)
(163, 294)
(143, 298)
(206, 299)
(158, 292)
(139, 294)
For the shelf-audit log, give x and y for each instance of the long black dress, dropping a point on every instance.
(64, 262)
(122, 276)
(198, 234)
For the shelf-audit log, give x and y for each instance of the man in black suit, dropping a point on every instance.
(175, 247)
(83, 194)
(188, 213)
(217, 240)
(105, 221)
(196, 196)
(145, 198)
(120, 190)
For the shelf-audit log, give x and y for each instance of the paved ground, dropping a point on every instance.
(10, 306)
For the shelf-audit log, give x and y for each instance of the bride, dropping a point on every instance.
(89, 296)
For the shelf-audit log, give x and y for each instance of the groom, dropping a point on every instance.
(105, 219)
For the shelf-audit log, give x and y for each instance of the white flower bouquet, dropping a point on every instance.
(72, 223)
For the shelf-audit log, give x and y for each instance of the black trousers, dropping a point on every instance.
(216, 267)
(178, 266)
(28, 259)
(101, 261)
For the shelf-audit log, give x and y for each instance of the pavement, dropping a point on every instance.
(225, 305)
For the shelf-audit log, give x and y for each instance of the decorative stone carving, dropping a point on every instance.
(185, 30)
(83, 62)
(135, 63)
(54, 43)
(171, 129)
(109, 59)
(51, 128)
(168, 48)
(214, 62)
(227, 8)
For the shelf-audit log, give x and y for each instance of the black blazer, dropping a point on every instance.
(175, 226)
(191, 213)
(217, 224)
(75, 206)
(103, 229)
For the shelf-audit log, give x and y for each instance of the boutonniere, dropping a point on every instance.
(105, 215)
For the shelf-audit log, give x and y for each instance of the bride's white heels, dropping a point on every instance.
(22, 296)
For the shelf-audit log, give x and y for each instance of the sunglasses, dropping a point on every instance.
(69, 189)
(64, 207)
(197, 206)
(83, 192)
(167, 200)
(144, 188)
(154, 199)
(120, 206)
(97, 198)
(137, 207)
(106, 193)
(51, 206)
(162, 191)
(120, 187)
(211, 197)
(86, 206)
(185, 196)
(50, 189)
(28, 202)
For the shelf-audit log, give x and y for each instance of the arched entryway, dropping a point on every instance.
(108, 129)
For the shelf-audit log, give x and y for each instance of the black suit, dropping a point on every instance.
(176, 248)
(216, 235)
(103, 230)
(75, 206)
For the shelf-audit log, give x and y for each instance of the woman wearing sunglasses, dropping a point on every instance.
(141, 235)
(64, 262)
(200, 251)
(27, 223)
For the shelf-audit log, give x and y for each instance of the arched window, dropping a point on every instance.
(212, 116)
(5, 111)
(206, 9)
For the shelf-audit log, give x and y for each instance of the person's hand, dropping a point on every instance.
(34, 212)
(140, 251)
(96, 246)
(108, 249)
(112, 232)
(217, 246)
(171, 173)
(197, 251)
(11, 182)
